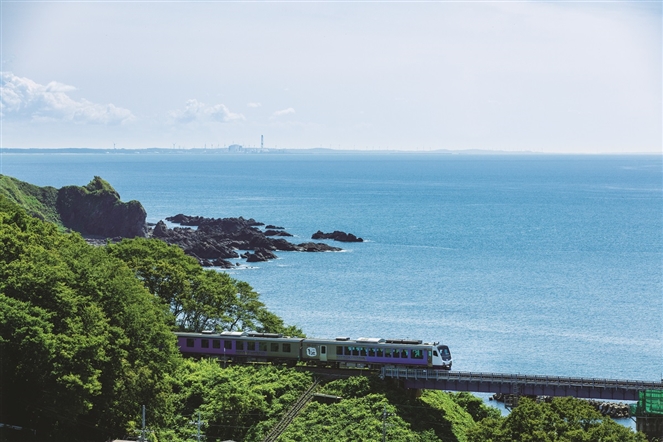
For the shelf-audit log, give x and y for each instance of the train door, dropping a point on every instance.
(323, 353)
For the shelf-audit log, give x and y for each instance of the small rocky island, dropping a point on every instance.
(217, 239)
(337, 236)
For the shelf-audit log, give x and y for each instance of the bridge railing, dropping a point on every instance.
(435, 375)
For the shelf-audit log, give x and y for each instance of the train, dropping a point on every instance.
(341, 352)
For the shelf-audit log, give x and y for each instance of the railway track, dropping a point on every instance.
(292, 413)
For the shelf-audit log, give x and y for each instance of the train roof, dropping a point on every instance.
(236, 335)
(338, 340)
(369, 341)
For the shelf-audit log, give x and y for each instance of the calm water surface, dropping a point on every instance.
(522, 264)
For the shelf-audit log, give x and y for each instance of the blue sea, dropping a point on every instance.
(531, 264)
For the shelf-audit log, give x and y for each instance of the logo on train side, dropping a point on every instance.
(311, 351)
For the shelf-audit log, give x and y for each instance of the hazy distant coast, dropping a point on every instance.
(237, 149)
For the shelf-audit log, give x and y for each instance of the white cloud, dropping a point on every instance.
(252, 104)
(23, 98)
(196, 111)
(283, 112)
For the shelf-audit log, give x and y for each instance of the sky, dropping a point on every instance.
(560, 77)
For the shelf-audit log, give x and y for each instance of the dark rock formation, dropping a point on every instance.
(216, 240)
(284, 246)
(222, 263)
(269, 226)
(276, 233)
(316, 247)
(96, 209)
(227, 224)
(337, 236)
(260, 255)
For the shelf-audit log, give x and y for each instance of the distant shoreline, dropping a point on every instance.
(309, 151)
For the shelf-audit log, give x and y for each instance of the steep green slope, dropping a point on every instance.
(39, 202)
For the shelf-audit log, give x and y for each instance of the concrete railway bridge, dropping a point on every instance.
(518, 385)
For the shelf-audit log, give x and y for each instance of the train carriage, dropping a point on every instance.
(375, 353)
(241, 346)
(340, 352)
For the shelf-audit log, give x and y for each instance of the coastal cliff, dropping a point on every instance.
(94, 209)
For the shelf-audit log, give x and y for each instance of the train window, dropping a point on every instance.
(189, 342)
(204, 343)
(396, 353)
(339, 350)
(286, 348)
(251, 346)
(262, 346)
(239, 345)
(216, 343)
(404, 354)
(362, 351)
(417, 354)
(348, 351)
(435, 353)
(228, 345)
(387, 352)
(274, 346)
(355, 351)
(380, 353)
(371, 352)
(323, 349)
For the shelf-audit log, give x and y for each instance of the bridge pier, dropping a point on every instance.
(652, 426)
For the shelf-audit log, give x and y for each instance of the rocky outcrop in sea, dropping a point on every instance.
(96, 209)
(215, 240)
(337, 235)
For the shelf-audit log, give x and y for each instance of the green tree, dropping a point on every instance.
(474, 406)
(562, 420)
(83, 344)
(199, 299)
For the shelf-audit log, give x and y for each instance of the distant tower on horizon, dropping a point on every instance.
(261, 142)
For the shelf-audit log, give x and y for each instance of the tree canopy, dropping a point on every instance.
(82, 341)
(561, 420)
(199, 299)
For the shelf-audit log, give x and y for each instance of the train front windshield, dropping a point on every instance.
(444, 351)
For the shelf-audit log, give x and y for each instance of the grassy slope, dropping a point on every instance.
(37, 201)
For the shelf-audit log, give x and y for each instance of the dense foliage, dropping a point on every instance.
(83, 338)
(562, 420)
(82, 342)
(199, 299)
(371, 407)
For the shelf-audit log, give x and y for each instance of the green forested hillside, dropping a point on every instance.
(86, 339)
(38, 201)
(82, 341)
